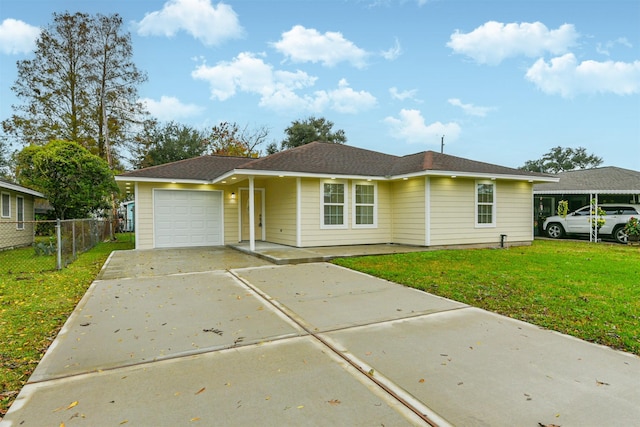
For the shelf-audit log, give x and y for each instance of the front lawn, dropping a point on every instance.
(33, 307)
(590, 291)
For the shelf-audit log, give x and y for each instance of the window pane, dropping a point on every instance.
(364, 194)
(485, 214)
(20, 212)
(333, 215)
(334, 193)
(6, 211)
(485, 193)
(364, 215)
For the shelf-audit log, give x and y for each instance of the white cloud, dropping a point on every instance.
(604, 48)
(410, 126)
(565, 76)
(346, 100)
(493, 41)
(170, 108)
(405, 94)
(302, 44)
(470, 109)
(393, 52)
(278, 89)
(205, 22)
(17, 37)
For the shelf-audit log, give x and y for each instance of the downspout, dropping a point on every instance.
(427, 210)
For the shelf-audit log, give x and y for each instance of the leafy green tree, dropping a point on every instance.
(4, 158)
(312, 129)
(159, 144)
(228, 139)
(74, 181)
(81, 85)
(560, 159)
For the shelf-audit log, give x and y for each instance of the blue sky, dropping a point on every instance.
(504, 81)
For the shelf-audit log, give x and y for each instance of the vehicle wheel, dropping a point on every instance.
(555, 231)
(620, 235)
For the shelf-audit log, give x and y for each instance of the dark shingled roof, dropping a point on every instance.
(325, 158)
(204, 168)
(599, 180)
(433, 161)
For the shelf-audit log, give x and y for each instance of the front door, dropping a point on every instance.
(258, 214)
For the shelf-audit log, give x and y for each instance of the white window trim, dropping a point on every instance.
(2, 205)
(345, 205)
(494, 204)
(19, 223)
(375, 204)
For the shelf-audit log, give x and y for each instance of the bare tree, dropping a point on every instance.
(80, 86)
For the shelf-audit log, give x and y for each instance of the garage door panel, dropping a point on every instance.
(187, 218)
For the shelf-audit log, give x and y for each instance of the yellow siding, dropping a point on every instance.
(401, 216)
(314, 235)
(453, 212)
(409, 220)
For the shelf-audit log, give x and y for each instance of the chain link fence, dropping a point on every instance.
(32, 246)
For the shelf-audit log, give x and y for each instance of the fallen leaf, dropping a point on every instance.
(72, 404)
(124, 422)
(195, 419)
(421, 380)
(334, 402)
(61, 424)
(301, 406)
(201, 390)
(371, 372)
(599, 383)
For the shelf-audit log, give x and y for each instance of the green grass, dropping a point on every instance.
(590, 291)
(33, 307)
(26, 260)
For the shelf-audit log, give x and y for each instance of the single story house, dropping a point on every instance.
(323, 194)
(16, 215)
(578, 187)
(126, 216)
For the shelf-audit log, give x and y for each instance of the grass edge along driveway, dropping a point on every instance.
(590, 291)
(33, 308)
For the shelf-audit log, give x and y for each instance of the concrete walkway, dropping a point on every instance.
(218, 337)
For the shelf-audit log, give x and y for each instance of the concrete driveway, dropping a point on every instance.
(218, 337)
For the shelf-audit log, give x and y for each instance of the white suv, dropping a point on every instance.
(617, 215)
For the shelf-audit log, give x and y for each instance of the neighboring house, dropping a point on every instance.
(16, 215)
(578, 187)
(323, 194)
(126, 216)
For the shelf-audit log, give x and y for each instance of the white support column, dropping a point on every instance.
(252, 219)
(298, 212)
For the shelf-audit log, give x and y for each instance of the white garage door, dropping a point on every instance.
(187, 218)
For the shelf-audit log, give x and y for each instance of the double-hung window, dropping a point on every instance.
(5, 201)
(485, 204)
(334, 208)
(20, 213)
(364, 201)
